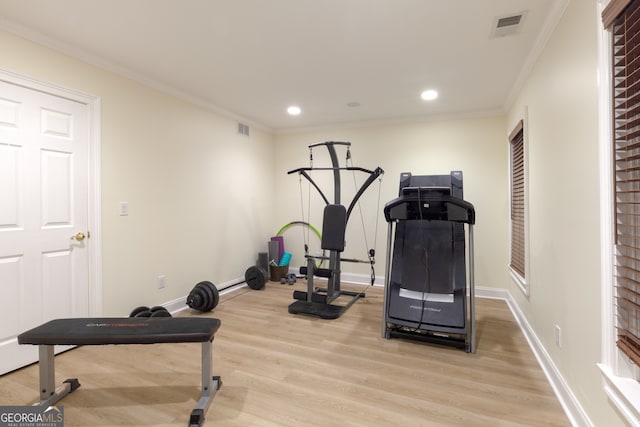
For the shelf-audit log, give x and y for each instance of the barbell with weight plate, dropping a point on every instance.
(203, 297)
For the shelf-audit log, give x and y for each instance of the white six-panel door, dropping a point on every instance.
(43, 206)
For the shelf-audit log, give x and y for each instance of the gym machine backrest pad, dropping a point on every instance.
(334, 224)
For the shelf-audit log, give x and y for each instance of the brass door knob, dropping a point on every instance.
(79, 237)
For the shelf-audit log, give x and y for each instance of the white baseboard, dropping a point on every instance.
(570, 404)
(491, 293)
(361, 279)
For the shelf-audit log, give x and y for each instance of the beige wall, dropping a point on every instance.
(561, 96)
(196, 211)
(203, 200)
(475, 146)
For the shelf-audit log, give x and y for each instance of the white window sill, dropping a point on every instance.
(520, 281)
(624, 394)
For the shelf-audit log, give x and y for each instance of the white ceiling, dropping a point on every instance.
(253, 58)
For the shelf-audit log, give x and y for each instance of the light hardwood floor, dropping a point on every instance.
(280, 369)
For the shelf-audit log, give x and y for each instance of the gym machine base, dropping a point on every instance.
(102, 331)
(425, 295)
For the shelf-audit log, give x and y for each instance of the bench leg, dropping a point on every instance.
(210, 385)
(49, 394)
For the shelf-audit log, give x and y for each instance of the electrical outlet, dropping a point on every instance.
(558, 336)
(162, 282)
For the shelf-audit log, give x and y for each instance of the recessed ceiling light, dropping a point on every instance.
(294, 110)
(353, 104)
(429, 95)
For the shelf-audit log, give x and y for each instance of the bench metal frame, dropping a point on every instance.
(50, 394)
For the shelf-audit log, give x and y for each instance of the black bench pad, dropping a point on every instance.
(109, 330)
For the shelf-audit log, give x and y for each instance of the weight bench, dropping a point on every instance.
(102, 331)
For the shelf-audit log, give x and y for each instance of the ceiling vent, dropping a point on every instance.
(243, 129)
(507, 25)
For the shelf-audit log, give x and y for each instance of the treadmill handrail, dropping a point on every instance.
(434, 198)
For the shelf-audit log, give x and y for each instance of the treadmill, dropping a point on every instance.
(426, 279)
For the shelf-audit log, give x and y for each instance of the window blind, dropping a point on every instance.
(517, 202)
(626, 144)
(613, 9)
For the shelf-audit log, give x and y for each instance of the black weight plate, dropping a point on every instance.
(160, 313)
(208, 296)
(216, 296)
(213, 293)
(205, 293)
(195, 299)
(138, 310)
(157, 308)
(255, 277)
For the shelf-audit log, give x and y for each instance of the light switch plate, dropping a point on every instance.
(123, 208)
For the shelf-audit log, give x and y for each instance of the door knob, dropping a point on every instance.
(79, 237)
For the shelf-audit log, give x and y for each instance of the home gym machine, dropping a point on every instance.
(318, 301)
(425, 280)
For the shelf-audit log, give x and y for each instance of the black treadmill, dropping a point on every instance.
(426, 279)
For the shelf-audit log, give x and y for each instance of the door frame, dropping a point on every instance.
(94, 207)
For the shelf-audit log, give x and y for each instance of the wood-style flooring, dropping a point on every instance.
(280, 369)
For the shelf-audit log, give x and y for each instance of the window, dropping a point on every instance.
(620, 185)
(626, 145)
(517, 262)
